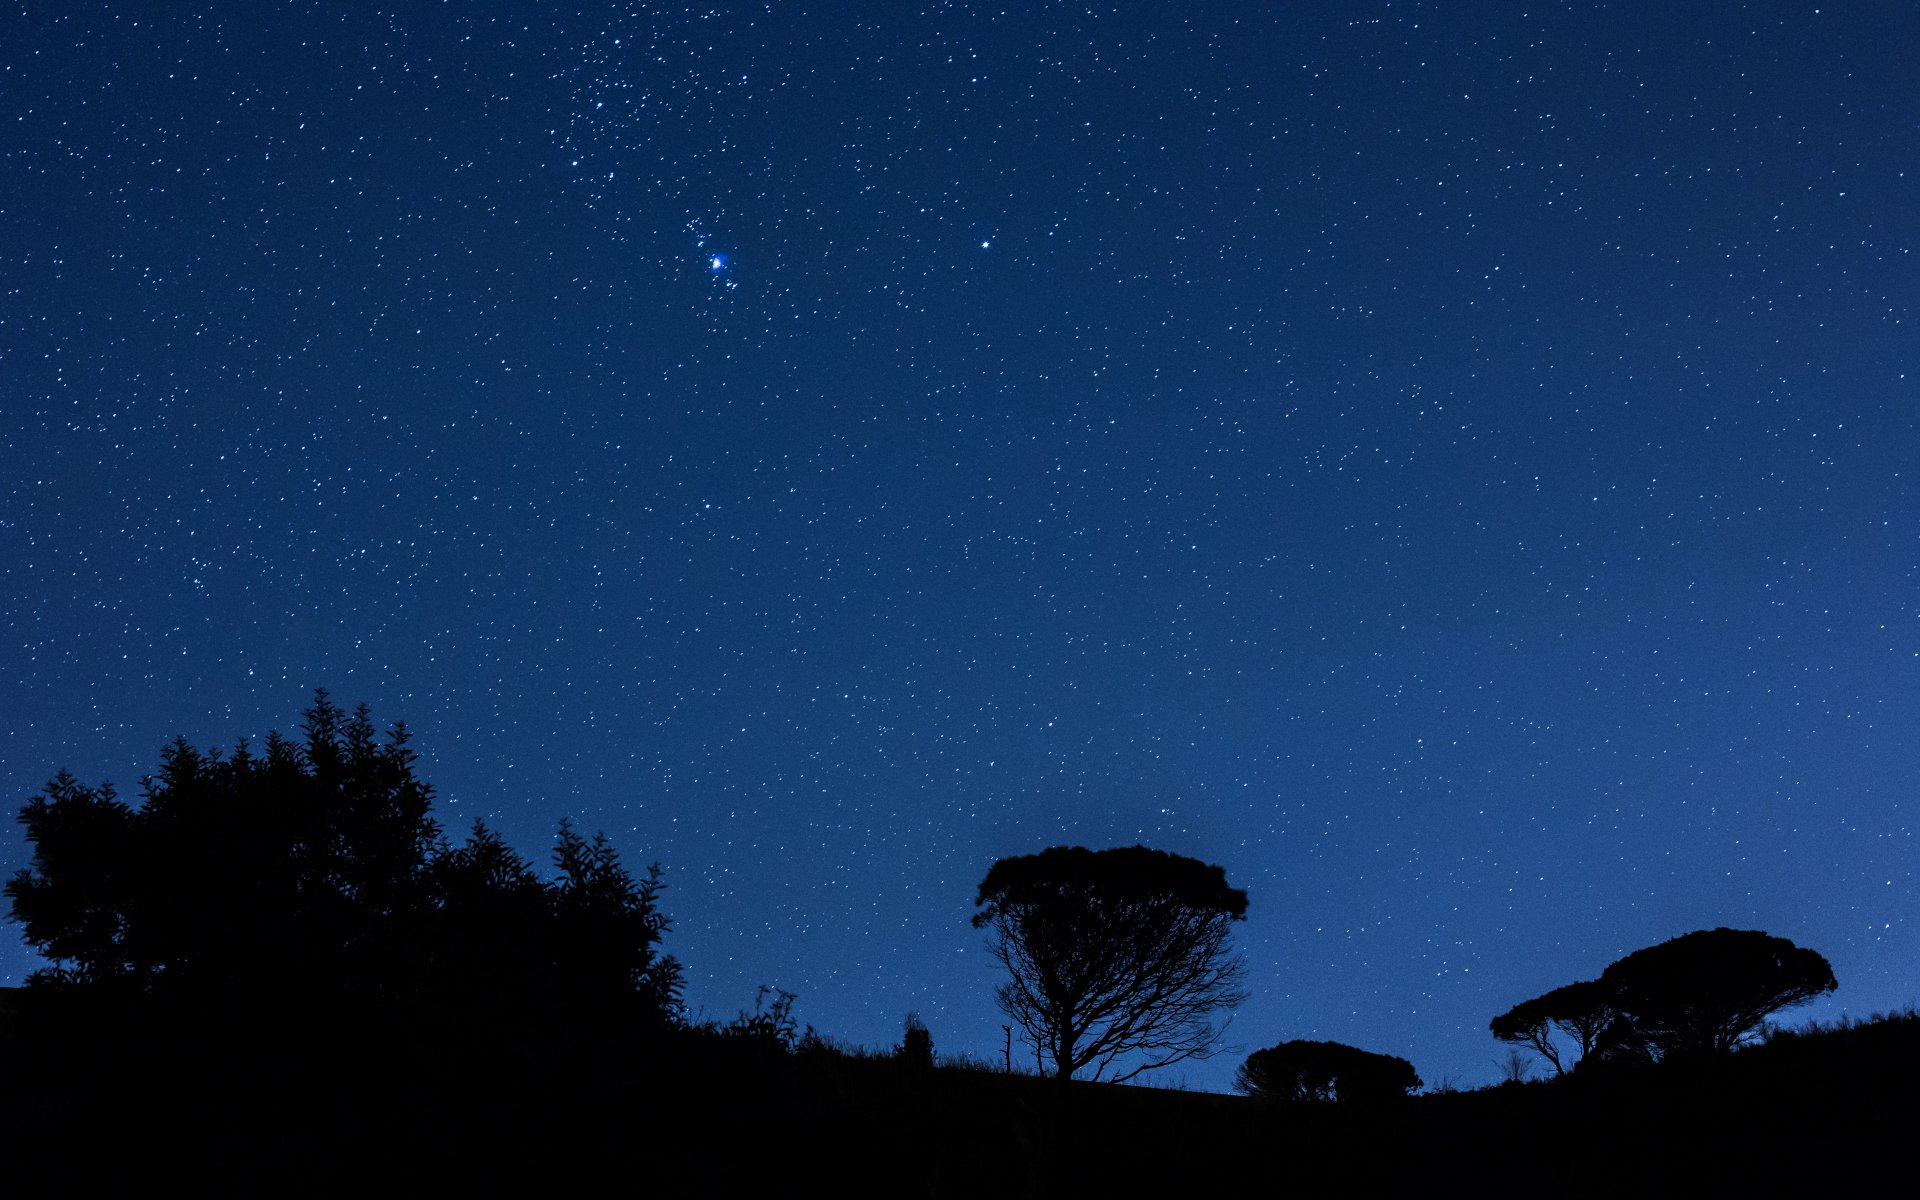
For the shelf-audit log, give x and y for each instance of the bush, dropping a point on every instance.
(916, 1045)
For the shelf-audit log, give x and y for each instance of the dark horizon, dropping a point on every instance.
(1453, 469)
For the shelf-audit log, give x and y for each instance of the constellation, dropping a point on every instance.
(719, 262)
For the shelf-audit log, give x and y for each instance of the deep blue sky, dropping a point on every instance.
(1453, 465)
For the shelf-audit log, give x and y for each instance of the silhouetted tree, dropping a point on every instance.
(71, 904)
(1708, 991)
(315, 872)
(263, 871)
(1308, 1072)
(606, 928)
(1112, 952)
(1582, 1011)
(482, 942)
(1701, 993)
(1514, 1067)
(916, 1045)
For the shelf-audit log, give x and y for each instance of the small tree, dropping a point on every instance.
(1581, 1011)
(1513, 1068)
(1709, 991)
(607, 927)
(1112, 952)
(1305, 1072)
(916, 1044)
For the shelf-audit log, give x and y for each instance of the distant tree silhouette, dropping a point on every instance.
(1112, 952)
(1582, 1011)
(1701, 993)
(1322, 1072)
(252, 871)
(314, 871)
(1708, 991)
(916, 1044)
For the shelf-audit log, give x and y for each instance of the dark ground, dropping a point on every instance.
(312, 1104)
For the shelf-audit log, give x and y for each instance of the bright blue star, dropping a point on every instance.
(718, 262)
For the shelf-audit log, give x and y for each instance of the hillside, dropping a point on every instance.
(1827, 1111)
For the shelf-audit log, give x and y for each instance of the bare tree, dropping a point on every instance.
(1112, 953)
(1514, 1067)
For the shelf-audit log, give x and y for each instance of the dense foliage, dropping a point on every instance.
(1581, 1011)
(1702, 993)
(1708, 991)
(313, 873)
(1302, 1072)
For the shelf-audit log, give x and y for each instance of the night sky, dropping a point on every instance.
(1454, 465)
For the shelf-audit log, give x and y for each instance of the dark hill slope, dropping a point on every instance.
(310, 1106)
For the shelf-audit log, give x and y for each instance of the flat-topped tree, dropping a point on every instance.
(1113, 953)
(1582, 1011)
(1708, 991)
(1306, 1072)
(1704, 992)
